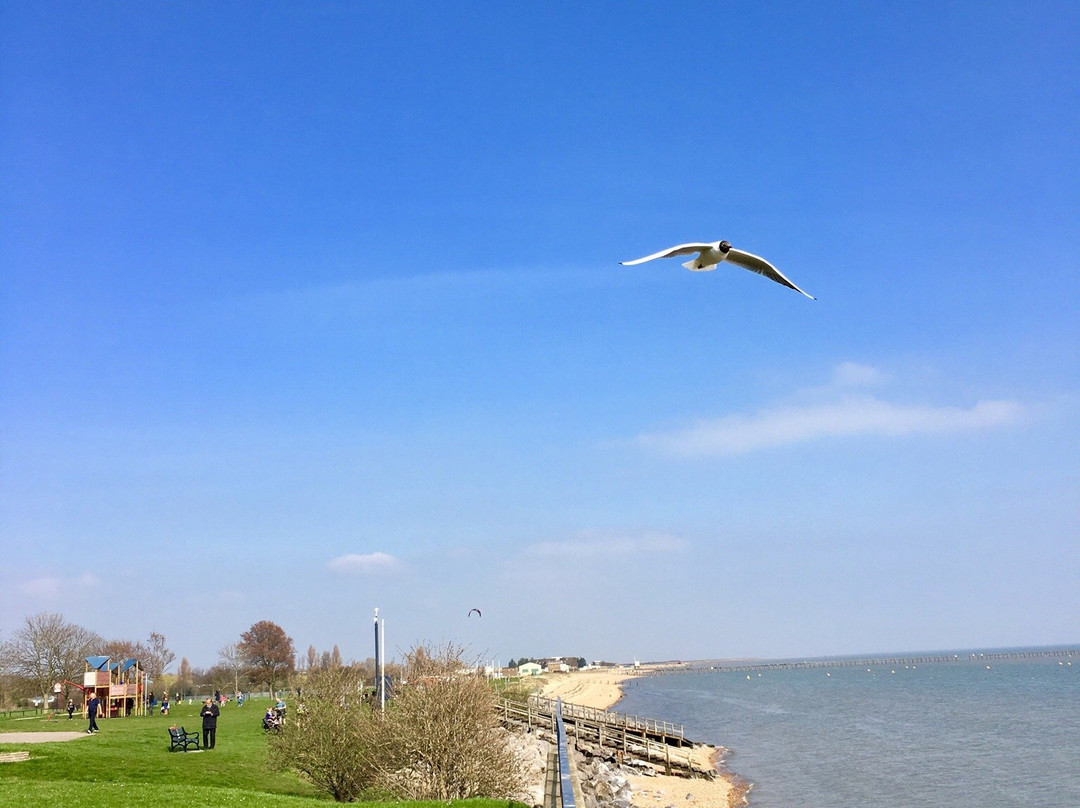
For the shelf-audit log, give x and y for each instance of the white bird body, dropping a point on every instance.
(712, 254)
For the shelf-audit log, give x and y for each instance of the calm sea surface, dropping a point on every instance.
(934, 734)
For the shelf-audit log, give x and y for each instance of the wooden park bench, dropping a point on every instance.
(182, 739)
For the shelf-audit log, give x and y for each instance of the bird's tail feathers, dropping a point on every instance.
(695, 266)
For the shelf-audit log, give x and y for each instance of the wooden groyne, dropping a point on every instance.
(609, 734)
(866, 662)
(662, 731)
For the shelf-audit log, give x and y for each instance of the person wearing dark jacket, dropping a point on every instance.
(209, 715)
(91, 711)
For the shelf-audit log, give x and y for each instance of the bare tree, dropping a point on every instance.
(233, 661)
(157, 656)
(185, 679)
(47, 649)
(267, 652)
(123, 650)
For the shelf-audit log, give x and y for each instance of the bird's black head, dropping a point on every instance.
(724, 246)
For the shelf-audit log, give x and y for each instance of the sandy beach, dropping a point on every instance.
(599, 689)
(602, 689)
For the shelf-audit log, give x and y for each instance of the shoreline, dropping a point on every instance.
(602, 689)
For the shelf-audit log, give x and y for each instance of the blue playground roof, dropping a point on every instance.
(97, 662)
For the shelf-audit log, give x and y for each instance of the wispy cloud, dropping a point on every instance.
(852, 374)
(610, 546)
(48, 587)
(364, 563)
(846, 415)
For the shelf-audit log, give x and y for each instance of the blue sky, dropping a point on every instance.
(311, 308)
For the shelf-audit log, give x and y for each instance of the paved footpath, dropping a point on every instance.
(39, 737)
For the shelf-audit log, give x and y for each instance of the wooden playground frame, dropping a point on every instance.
(119, 687)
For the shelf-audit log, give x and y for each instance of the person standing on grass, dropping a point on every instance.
(91, 710)
(209, 713)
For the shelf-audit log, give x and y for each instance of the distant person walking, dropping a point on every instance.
(209, 713)
(71, 709)
(91, 711)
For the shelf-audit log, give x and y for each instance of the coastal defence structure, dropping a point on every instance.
(118, 686)
(633, 740)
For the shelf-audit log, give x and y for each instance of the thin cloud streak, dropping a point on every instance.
(612, 547)
(851, 417)
(364, 563)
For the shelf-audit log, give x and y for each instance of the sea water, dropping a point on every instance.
(979, 733)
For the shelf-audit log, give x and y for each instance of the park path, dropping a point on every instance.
(39, 737)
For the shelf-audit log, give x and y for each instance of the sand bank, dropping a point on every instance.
(601, 689)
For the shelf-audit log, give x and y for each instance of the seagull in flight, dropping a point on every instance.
(713, 253)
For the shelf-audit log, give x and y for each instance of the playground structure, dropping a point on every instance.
(119, 687)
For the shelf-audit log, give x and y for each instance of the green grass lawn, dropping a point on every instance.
(129, 762)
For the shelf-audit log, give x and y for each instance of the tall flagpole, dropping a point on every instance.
(382, 665)
(380, 662)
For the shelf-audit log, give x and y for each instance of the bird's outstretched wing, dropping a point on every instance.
(681, 249)
(759, 265)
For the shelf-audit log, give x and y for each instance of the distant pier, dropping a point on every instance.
(867, 662)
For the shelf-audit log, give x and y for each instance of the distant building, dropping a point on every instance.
(529, 669)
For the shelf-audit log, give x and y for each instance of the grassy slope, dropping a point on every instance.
(128, 762)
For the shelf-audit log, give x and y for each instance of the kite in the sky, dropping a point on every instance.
(474, 610)
(713, 253)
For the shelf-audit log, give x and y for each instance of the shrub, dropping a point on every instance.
(439, 738)
(334, 740)
(446, 727)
